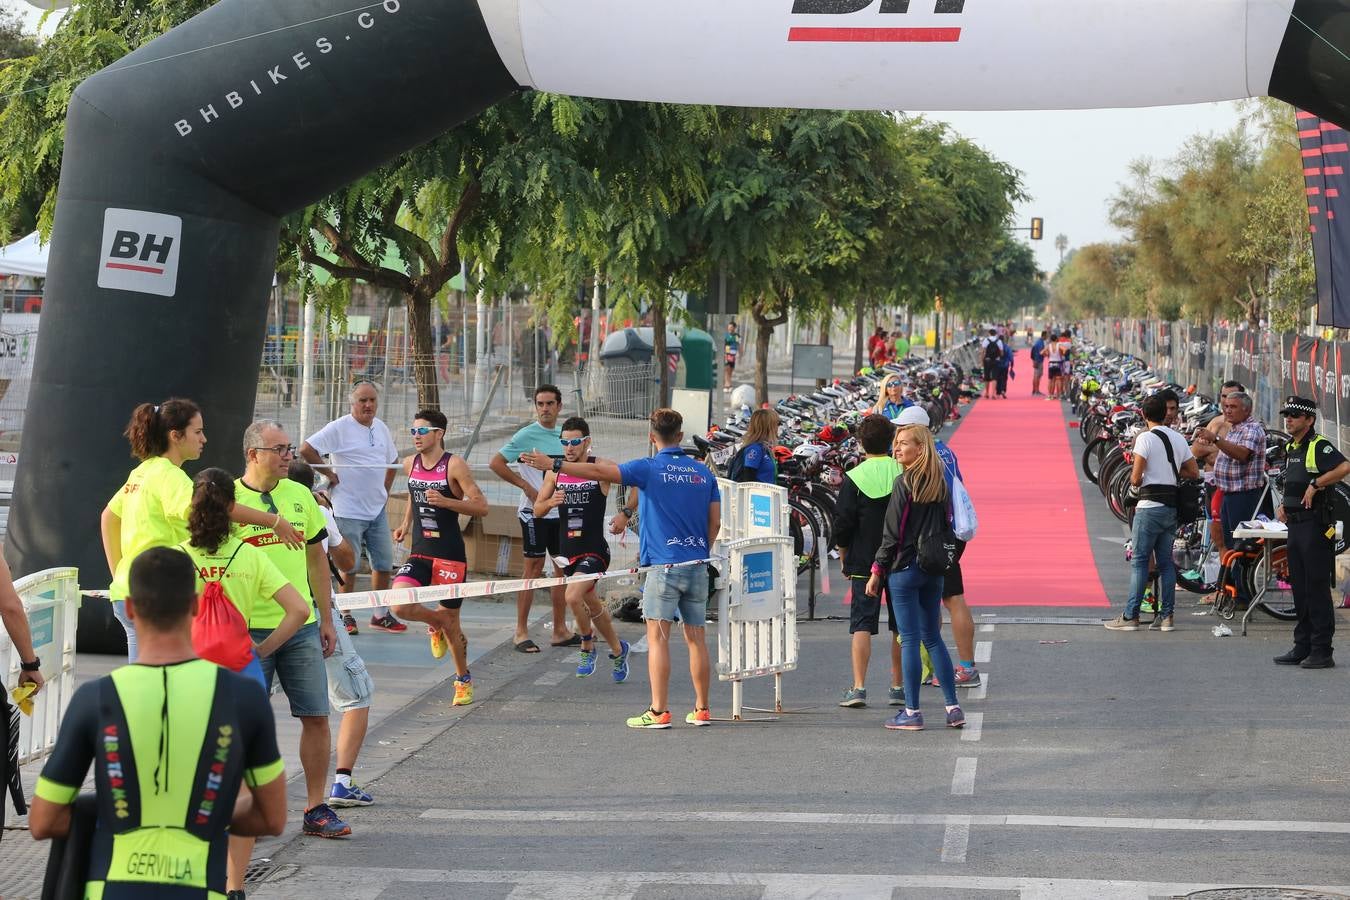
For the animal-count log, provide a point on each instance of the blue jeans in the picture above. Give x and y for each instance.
(1153, 533)
(916, 600)
(120, 612)
(299, 665)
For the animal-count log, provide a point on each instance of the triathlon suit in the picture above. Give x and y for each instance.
(435, 532)
(170, 746)
(583, 525)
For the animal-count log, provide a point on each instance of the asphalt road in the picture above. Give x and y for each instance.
(1094, 765)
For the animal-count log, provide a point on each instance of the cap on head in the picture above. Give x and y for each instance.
(1298, 406)
(912, 415)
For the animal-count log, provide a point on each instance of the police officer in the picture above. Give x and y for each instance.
(1312, 464)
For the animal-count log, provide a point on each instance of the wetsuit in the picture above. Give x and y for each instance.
(170, 746)
(435, 531)
(583, 524)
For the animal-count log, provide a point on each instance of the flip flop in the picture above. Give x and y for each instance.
(573, 641)
(527, 646)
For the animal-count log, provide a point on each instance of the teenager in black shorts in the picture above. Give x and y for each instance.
(582, 546)
(440, 489)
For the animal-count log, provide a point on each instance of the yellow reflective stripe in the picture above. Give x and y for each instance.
(265, 774)
(55, 792)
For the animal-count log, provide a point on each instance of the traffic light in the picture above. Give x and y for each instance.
(1037, 228)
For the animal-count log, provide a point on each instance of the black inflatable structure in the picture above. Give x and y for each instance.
(181, 158)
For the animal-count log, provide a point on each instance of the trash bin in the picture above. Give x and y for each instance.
(631, 380)
(700, 368)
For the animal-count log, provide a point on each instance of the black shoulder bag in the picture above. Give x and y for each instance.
(1189, 491)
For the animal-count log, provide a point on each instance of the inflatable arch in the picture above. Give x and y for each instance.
(181, 157)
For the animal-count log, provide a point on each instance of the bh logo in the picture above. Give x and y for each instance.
(140, 251)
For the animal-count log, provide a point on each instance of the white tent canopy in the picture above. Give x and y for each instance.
(25, 257)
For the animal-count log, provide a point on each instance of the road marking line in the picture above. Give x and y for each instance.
(963, 780)
(361, 882)
(974, 725)
(519, 706)
(551, 678)
(986, 628)
(979, 692)
(955, 841)
(534, 890)
(983, 650)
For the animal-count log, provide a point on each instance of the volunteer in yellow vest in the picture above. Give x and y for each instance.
(171, 738)
(1312, 464)
(151, 509)
(298, 663)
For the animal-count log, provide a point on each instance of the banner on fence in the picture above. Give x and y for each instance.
(1199, 347)
(1325, 156)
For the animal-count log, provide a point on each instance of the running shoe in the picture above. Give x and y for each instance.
(897, 697)
(699, 717)
(1120, 623)
(650, 719)
(621, 663)
(341, 795)
(903, 721)
(854, 698)
(321, 821)
(440, 644)
(586, 663)
(387, 622)
(955, 718)
(463, 691)
(967, 678)
(349, 623)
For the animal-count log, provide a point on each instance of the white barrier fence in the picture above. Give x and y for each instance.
(52, 600)
(757, 605)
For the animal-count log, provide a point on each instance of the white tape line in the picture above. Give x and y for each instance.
(983, 650)
(955, 841)
(963, 780)
(987, 628)
(434, 593)
(974, 725)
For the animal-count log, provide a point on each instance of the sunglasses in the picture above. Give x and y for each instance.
(282, 450)
(420, 430)
(572, 442)
(266, 497)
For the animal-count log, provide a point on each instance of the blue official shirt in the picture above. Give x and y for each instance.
(762, 463)
(676, 493)
(950, 466)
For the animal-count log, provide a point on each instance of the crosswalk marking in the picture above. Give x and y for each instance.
(963, 779)
(956, 840)
(983, 651)
(974, 725)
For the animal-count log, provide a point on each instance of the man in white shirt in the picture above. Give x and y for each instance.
(1154, 529)
(363, 454)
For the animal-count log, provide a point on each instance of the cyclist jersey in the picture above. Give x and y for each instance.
(170, 746)
(583, 516)
(435, 532)
(153, 506)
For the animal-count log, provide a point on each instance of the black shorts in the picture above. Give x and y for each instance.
(418, 569)
(864, 612)
(1054, 370)
(731, 363)
(952, 583)
(588, 564)
(540, 536)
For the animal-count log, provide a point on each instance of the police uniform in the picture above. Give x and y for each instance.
(1311, 550)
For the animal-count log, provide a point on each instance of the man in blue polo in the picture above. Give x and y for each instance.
(681, 511)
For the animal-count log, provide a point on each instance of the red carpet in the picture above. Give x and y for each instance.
(1033, 547)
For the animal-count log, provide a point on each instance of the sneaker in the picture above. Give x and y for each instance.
(897, 697)
(700, 717)
(955, 718)
(349, 623)
(621, 663)
(854, 698)
(650, 719)
(387, 622)
(341, 795)
(586, 663)
(440, 644)
(903, 721)
(321, 821)
(463, 691)
(1120, 623)
(1162, 623)
(967, 678)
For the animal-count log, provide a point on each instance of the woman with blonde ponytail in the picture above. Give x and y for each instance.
(919, 500)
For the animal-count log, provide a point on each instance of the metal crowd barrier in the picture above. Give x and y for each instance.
(52, 600)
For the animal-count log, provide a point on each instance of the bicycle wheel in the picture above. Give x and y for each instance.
(1279, 597)
(1115, 460)
(1115, 493)
(805, 537)
(1196, 558)
(1093, 455)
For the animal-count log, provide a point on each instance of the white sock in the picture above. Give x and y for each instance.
(344, 780)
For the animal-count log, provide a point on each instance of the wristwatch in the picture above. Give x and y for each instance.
(627, 512)
(33, 666)
(557, 465)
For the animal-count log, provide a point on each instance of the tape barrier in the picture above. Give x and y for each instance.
(469, 589)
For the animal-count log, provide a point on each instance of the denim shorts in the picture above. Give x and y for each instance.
(349, 684)
(372, 535)
(682, 588)
(298, 664)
